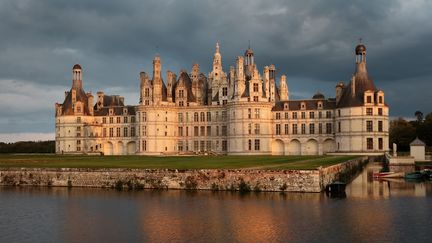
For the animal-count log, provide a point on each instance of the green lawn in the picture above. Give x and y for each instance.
(154, 162)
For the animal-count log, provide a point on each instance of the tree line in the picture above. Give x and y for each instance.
(28, 147)
(403, 132)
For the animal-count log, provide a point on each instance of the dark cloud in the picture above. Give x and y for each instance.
(311, 42)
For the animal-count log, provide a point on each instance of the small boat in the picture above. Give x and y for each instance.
(383, 174)
(394, 175)
(416, 175)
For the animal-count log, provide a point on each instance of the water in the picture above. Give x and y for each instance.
(374, 211)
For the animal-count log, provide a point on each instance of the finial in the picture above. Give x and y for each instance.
(217, 46)
(360, 40)
(249, 44)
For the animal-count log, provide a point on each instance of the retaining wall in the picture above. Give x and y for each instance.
(205, 179)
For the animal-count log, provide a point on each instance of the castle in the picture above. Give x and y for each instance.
(239, 112)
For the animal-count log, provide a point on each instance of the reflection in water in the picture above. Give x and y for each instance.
(391, 210)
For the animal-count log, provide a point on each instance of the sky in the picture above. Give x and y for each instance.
(312, 42)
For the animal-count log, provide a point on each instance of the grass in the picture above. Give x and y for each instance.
(155, 162)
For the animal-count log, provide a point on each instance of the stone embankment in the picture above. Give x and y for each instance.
(202, 179)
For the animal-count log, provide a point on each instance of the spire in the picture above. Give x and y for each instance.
(217, 47)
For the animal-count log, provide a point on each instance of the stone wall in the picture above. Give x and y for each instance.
(210, 179)
(341, 172)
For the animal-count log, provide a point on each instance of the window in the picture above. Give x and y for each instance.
(202, 130)
(78, 119)
(132, 132)
(380, 111)
(195, 116)
(257, 128)
(224, 115)
(209, 131)
(196, 130)
(144, 144)
(180, 145)
(181, 93)
(278, 116)
(217, 130)
(257, 113)
(328, 128)
(369, 126)
(180, 131)
(196, 147)
(118, 119)
(132, 119)
(180, 117)
(369, 99)
(224, 102)
(255, 87)
(250, 144)
(146, 92)
(104, 120)
(278, 129)
(187, 131)
(369, 143)
(294, 115)
(255, 98)
(202, 116)
(144, 116)
(380, 144)
(111, 132)
(181, 103)
(224, 91)
(144, 130)
(320, 128)
(78, 142)
(320, 114)
(118, 132)
(339, 113)
(249, 128)
(125, 131)
(339, 127)
(303, 115)
(286, 128)
(257, 144)
(104, 132)
(202, 146)
(286, 115)
(380, 126)
(208, 145)
(380, 99)
(311, 115)
(303, 128)
(208, 116)
(147, 102)
(311, 128)
(369, 111)
(224, 130)
(224, 145)
(125, 119)
(328, 114)
(294, 128)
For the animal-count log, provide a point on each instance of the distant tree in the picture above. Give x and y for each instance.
(419, 116)
(28, 147)
(402, 133)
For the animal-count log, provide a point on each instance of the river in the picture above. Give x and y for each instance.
(373, 211)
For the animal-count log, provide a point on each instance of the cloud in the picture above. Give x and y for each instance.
(311, 42)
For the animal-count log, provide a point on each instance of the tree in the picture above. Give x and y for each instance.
(419, 116)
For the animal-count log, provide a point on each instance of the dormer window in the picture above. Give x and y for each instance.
(320, 105)
(286, 107)
(303, 106)
(125, 111)
(181, 93)
(380, 99)
(369, 99)
(111, 112)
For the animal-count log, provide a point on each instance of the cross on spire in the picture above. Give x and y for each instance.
(360, 40)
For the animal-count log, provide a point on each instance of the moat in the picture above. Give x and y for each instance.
(395, 211)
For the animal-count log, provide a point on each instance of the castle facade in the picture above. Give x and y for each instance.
(238, 112)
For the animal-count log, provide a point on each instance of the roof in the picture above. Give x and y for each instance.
(360, 48)
(80, 96)
(76, 66)
(295, 105)
(117, 110)
(318, 96)
(417, 142)
(186, 81)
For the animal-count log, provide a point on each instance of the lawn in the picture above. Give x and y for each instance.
(173, 162)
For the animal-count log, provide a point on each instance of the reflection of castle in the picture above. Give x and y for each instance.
(240, 112)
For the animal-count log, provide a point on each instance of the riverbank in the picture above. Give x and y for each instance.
(243, 179)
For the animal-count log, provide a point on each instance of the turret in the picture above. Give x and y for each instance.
(76, 77)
